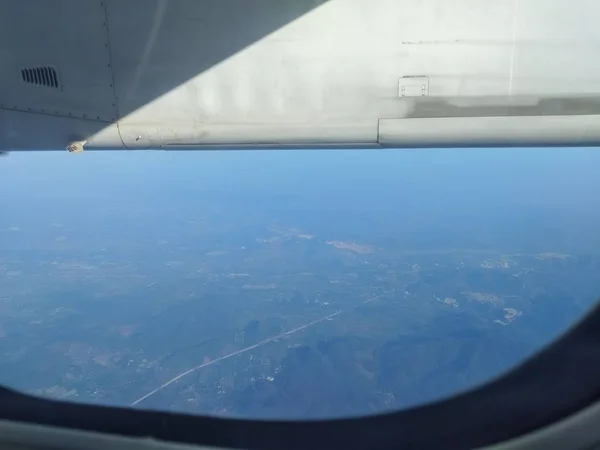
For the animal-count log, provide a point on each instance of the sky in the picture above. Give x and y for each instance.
(531, 172)
(520, 188)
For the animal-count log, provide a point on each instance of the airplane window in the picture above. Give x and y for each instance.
(293, 284)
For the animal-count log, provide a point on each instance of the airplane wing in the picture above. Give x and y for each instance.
(195, 74)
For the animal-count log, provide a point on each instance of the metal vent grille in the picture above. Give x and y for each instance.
(42, 76)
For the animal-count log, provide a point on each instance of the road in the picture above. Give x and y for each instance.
(244, 350)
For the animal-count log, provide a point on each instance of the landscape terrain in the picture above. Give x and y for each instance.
(145, 288)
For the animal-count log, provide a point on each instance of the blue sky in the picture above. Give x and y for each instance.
(567, 177)
(288, 167)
